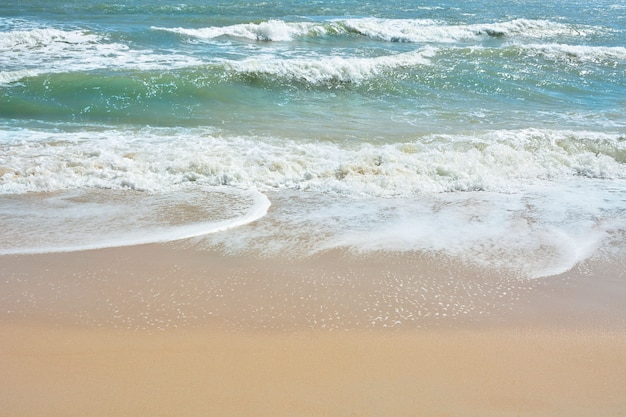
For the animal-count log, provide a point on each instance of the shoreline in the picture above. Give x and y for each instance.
(165, 330)
(158, 286)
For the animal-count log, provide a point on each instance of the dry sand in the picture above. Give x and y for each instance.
(161, 330)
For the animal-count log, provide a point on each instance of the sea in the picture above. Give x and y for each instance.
(488, 132)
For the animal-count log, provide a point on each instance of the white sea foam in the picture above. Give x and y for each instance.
(41, 38)
(27, 53)
(84, 220)
(540, 232)
(390, 30)
(579, 53)
(331, 69)
(404, 30)
(497, 161)
(8, 77)
(271, 30)
(155, 159)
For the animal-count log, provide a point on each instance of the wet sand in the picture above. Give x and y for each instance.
(168, 330)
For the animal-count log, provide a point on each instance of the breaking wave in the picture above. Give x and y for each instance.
(158, 159)
(390, 30)
(330, 69)
(28, 53)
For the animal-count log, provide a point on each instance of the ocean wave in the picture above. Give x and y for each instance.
(46, 38)
(330, 69)
(271, 30)
(389, 30)
(9, 77)
(578, 53)
(34, 51)
(157, 159)
(434, 31)
(27, 53)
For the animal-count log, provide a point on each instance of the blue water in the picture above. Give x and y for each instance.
(500, 125)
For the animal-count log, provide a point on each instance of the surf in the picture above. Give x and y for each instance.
(83, 219)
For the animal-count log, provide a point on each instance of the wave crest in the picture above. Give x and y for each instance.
(271, 30)
(28, 53)
(578, 53)
(157, 159)
(330, 69)
(389, 30)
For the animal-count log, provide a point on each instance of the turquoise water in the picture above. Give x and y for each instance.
(486, 130)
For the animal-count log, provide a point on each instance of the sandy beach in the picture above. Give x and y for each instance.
(164, 330)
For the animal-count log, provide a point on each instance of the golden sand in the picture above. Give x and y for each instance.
(204, 372)
(164, 331)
